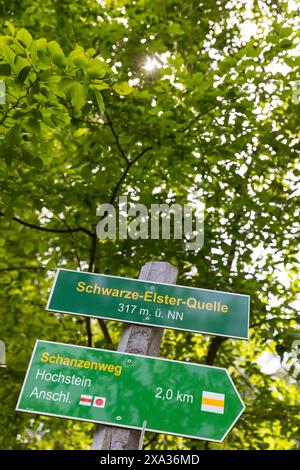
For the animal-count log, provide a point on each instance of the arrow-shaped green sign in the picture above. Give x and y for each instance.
(151, 303)
(125, 390)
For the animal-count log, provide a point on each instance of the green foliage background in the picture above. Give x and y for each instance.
(84, 122)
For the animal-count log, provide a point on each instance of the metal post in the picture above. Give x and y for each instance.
(141, 443)
(136, 339)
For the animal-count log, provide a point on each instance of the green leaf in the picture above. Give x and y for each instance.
(123, 88)
(175, 28)
(78, 95)
(6, 41)
(14, 135)
(46, 75)
(80, 61)
(38, 163)
(23, 74)
(28, 247)
(9, 212)
(66, 83)
(32, 125)
(100, 179)
(285, 44)
(20, 64)
(96, 71)
(59, 60)
(41, 44)
(91, 52)
(24, 37)
(11, 27)
(100, 101)
(32, 160)
(285, 32)
(79, 58)
(100, 86)
(44, 58)
(5, 70)
(8, 54)
(54, 48)
(86, 172)
(56, 54)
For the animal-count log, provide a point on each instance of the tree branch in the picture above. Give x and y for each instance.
(5, 115)
(18, 268)
(105, 331)
(182, 131)
(93, 252)
(202, 113)
(109, 122)
(153, 439)
(89, 331)
(102, 324)
(213, 349)
(73, 240)
(51, 230)
(141, 154)
(125, 172)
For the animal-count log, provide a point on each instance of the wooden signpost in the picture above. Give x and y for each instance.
(136, 339)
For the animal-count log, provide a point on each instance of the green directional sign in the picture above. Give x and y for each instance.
(150, 303)
(125, 390)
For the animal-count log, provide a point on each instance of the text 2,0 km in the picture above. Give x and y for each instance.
(175, 395)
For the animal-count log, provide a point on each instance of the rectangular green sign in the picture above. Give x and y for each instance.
(150, 303)
(123, 389)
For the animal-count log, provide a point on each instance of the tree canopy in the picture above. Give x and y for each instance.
(162, 101)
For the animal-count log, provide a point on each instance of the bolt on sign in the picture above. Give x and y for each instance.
(125, 390)
(151, 303)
